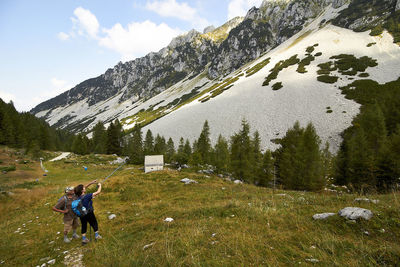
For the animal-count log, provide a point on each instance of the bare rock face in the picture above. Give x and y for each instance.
(354, 213)
(397, 5)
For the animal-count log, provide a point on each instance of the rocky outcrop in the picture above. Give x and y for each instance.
(264, 28)
(397, 5)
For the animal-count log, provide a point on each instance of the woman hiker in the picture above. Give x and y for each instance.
(87, 202)
(70, 219)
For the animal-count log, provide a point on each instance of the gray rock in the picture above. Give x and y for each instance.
(208, 29)
(112, 216)
(188, 181)
(51, 262)
(397, 5)
(354, 213)
(323, 216)
(238, 182)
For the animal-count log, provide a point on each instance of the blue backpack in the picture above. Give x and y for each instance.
(78, 208)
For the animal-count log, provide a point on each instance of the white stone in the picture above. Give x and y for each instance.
(188, 181)
(238, 182)
(312, 260)
(322, 216)
(112, 216)
(51, 262)
(168, 219)
(148, 246)
(354, 213)
(397, 5)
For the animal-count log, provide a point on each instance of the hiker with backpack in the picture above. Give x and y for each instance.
(83, 206)
(70, 219)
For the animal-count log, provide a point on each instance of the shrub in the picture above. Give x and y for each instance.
(327, 79)
(277, 86)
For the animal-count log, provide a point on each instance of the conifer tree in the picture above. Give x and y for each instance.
(135, 146)
(221, 155)
(256, 159)
(148, 143)
(114, 138)
(99, 138)
(203, 145)
(241, 153)
(298, 160)
(170, 153)
(160, 147)
(267, 169)
(181, 156)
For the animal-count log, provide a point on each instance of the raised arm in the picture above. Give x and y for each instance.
(98, 190)
(92, 182)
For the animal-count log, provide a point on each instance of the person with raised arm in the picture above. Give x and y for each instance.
(87, 202)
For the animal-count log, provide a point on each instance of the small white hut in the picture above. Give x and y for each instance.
(153, 163)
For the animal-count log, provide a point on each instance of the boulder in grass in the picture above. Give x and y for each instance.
(323, 216)
(354, 213)
(168, 219)
(51, 262)
(188, 181)
(112, 216)
(238, 182)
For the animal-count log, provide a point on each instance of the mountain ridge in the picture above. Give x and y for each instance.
(186, 81)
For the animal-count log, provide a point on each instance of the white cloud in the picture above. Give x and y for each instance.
(138, 38)
(85, 23)
(174, 9)
(240, 7)
(132, 41)
(171, 8)
(63, 36)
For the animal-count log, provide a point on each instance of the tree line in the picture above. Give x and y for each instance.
(25, 131)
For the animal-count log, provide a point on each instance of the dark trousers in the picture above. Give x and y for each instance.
(91, 219)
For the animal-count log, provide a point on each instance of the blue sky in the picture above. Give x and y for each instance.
(49, 46)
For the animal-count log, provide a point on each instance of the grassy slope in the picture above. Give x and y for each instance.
(252, 226)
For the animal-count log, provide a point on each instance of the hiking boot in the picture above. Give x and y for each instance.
(75, 236)
(97, 237)
(67, 240)
(85, 241)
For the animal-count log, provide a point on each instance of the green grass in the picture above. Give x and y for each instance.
(327, 79)
(7, 168)
(257, 67)
(346, 65)
(216, 223)
(280, 66)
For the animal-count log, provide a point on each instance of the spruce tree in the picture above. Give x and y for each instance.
(203, 146)
(160, 147)
(299, 161)
(267, 169)
(114, 138)
(170, 153)
(135, 146)
(99, 138)
(148, 143)
(181, 157)
(221, 155)
(256, 159)
(241, 153)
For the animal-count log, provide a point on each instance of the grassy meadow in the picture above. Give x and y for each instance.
(216, 222)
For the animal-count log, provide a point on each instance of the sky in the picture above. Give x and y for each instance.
(49, 46)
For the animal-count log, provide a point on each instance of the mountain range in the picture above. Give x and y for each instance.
(285, 61)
